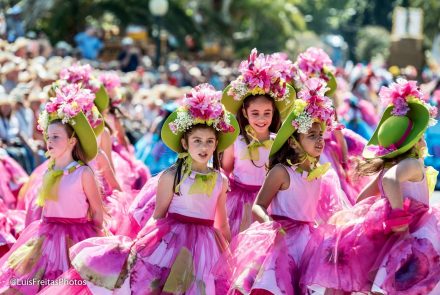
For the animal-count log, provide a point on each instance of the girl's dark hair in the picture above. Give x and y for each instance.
(179, 163)
(368, 167)
(78, 153)
(286, 153)
(243, 121)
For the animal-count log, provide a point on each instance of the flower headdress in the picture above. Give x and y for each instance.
(403, 122)
(313, 106)
(76, 94)
(112, 84)
(202, 105)
(314, 63)
(400, 94)
(81, 74)
(262, 74)
(68, 102)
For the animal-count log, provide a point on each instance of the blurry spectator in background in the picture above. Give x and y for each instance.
(14, 23)
(89, 44)
(130, 56)
(2, 25)
(62, 49)
(9, 73)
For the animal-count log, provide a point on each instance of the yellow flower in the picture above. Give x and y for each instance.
(299, 106)
(257, 90)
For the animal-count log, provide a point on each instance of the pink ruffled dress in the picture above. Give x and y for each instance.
(11, 225)
(245, 181)
(268, 257)
(12, 178)
(358, 252)
(42, 250)
(141, 209)
(350, 183)
(29, 193)
(176, 254)
(131, 173)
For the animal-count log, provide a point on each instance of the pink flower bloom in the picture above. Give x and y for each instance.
(76, 74)
(312, 63)
(400, 107)
(110, 80)
(268, 73)
(397, 94)
(318, 105)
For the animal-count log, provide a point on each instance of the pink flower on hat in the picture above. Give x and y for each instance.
(76, 74)
(312, 63)
(201, 106)
(262, 74)
(110, 80)
(398, 94)
(81, 74)
(203, 102)
(313, 105)
(112, 84)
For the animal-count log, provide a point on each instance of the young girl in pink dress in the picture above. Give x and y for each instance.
(388, 244)
(268, 256)
(101, 164)
(72, 209)
(175, 252)
(258, 110)
(341, 145)
(133, 174)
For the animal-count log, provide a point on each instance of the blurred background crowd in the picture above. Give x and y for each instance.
(160, 48)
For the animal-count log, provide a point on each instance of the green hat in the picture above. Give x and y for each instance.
(331, 83)
(201, 106)
(396, 135)
(102, 100)
(283, 106)
(303, 116)
(262, 75)
(83, 131)
(172, 140)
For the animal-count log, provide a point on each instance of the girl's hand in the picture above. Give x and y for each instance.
(399, 229)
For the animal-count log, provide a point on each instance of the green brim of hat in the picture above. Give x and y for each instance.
(418, 114)
(102, 100)
(331, 83)
(173, 140)
(234, 106)
(286, 130)
(100, 128)
(85, 134)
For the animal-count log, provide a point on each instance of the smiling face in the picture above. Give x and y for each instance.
(259, 114)
(200, 144)
(313, 141)
(58, 141)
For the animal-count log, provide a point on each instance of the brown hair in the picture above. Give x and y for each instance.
(179, 163)
(285, 154)
(368, 167)
(243, 121)
(78, 153)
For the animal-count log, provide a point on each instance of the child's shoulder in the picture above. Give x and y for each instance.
(410, 163)
(169, 173)
(279, 170)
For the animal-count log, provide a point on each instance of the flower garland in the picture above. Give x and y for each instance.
(313, 106)
(262, 74)
(202, 106)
